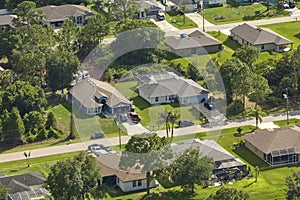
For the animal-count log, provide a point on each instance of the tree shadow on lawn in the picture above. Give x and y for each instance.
(140, 103)
(297, 35)
(231, 44)
(169, 195)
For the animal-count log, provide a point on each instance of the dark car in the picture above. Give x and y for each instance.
(184, 123)
(292, 4)
(98, 135)
(134, 117)
(209, 106)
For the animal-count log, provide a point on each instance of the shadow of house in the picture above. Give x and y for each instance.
(25, 186)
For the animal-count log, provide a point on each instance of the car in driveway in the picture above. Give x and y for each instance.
(209, 105)
(134, 117)
(185, 123)
(160, 16)
(97, 136)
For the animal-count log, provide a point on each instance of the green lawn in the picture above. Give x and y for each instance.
(41, 164)
(292, 121)
(228, 14)
(289, 30)
(180, 21)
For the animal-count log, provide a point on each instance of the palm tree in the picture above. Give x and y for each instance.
(182, 9)
(256, 170)
(258, 114)
(172, 118)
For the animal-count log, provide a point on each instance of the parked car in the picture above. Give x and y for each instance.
(286, 6)
(134, 117)
(292, 4)
(185, 123)
(97, 135)
(160, 16)
(209, 105)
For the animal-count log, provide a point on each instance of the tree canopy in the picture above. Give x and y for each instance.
(293, 184)
(75, 178)
(228, 194)
(190, 169)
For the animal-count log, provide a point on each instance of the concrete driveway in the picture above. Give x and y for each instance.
(133, 128)
(164, 25)
(198, 19)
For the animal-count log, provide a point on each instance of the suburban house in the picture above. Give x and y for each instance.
(213, 3)
(224, 161)
(148, 9)
(280, 146)
(6, 22)
(261, 38)
(56, 15)
(195, 43)
(127, 181)
(190, 5)
(25, 186)
(166, 87)
(94, 97)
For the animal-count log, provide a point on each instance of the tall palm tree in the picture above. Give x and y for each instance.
(173, 118)
(258, 114)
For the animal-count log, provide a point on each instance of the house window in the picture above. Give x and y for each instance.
(118, 181)
(193, 51)
(166, 98)
(133, 183)
(156, 99)
(79, 20)
(262, 47)
(139, 182)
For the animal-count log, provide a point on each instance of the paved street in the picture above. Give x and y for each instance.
(115, 141)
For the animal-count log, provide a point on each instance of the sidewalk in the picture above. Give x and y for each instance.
(115, 141)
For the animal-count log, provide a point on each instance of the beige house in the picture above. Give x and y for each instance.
(56, 15)
(166, 87)
(127, 181)
(261, 38)
(195, 43)
(280, 146)
(94, 97)
(6, 22)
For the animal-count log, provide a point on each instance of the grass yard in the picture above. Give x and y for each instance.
(41, 164)
(292, 121)
(228, 14)
(290, 30)
(179, 21)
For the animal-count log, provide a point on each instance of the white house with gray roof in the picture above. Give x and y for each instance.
(166, 87)
(56, 15)
(148, 8)
(261, 38)
(94, 97)
(222, 158)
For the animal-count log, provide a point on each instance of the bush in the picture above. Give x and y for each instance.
(235, 108)
(54, 133)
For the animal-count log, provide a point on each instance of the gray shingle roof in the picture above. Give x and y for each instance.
(7, 20)
(183, 2)
(211, 149)
(149, 4)
(86, 90)
(168, 83)
(256, 36)
(22, 182)
(63, 12)
(195, 39)
(276, 139)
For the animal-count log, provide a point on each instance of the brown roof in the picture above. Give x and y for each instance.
(268, 140)
(63, 12)
(256, 36)
(195, 39)
(88, 88)
(109, 164)
(7, 20)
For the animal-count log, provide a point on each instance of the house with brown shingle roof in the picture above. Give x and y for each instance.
(94, 97)
(195, 43)
(280, 146)
(130, 180)
(6, 22)
(262, 38)
(56, 15)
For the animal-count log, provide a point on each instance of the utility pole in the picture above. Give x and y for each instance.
(202, 6)
(286, 96)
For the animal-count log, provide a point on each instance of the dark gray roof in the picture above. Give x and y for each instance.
(63, 12)
(7, 20)
(210, 148)
(149, 4)
(183, 2)
(256, 36)
(195, 39)
(86, 90)
(268, 140)
(22, 182)
(168, 83)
